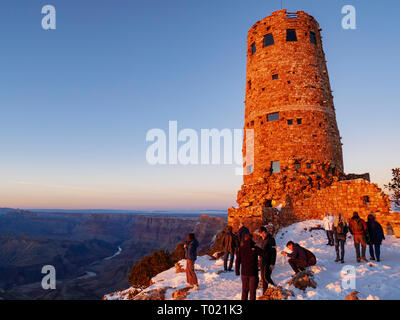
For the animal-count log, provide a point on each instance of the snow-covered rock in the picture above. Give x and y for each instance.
(373, 280)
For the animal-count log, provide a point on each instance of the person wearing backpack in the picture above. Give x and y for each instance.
(376, 236)
(340, 230)
(358, 228)
(229, 243)
(190, 247)
(300, 258)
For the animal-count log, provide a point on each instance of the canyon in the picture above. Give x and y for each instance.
(91, 252)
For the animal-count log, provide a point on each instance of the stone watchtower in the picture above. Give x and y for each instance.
(297, 145)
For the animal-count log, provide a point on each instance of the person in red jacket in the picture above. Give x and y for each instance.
(247, 266)
(358, 228)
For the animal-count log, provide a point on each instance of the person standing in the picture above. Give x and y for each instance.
(328, 226)
(247, 266)
(229, 243)
(340, 230)
(267, 261)
(190, 247)
(376, 236)
(358, 228)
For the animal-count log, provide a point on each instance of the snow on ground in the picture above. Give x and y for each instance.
(373, 280)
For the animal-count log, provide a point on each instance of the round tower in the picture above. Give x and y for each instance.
(289, 101)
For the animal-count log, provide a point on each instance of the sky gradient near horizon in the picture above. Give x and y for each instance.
(76, 102)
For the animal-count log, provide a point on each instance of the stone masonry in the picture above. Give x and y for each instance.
(297, 172)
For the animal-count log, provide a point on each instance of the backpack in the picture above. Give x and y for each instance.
(311, 259)
(358, 226)
(340, 229)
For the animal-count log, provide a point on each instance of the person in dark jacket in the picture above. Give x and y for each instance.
(358, 228)
(340, 230)
(230, 242)
(242, 231)
(191, 246)
(376, 236)
(247, 266)
(298, 257)
(267, 261)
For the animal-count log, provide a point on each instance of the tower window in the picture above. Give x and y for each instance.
(252, 123)
(308, 165)
(249, 84)
(268, 40)
(253, 48)
(313, 38)
(299, 121)
(290, 122)
(249, 169)
(298, 165)
(291, 35)
(366, 200)
(273, 116)
(275, 167)
(275, 76)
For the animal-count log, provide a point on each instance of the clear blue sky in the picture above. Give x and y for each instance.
(76, 102)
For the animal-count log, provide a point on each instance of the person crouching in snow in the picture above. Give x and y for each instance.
(328, 226)
(300, 258)
(376, 236)
(191, 246)
(340, 230)
(247, 265)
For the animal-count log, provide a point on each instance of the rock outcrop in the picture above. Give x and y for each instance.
(303, 280)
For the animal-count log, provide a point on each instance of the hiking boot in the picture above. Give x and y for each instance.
(342, 261)
(364, 259)
(337, 259)
(378, 260)
(372, 258)
(358, 260)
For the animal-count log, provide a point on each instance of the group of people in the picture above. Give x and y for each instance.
(370, 232)
(254, 257)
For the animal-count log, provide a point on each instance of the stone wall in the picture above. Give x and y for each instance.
(345, 197)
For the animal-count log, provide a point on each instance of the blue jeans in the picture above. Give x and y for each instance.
(377, 248)
(226, 254)
(339, 247)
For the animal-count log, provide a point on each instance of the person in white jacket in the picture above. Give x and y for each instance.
(328, 226)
